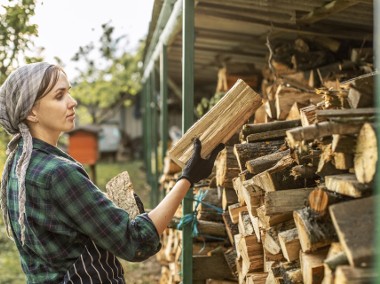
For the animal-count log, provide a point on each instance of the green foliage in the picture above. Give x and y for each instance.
(100, 87)
(16, 34)
(206, 104)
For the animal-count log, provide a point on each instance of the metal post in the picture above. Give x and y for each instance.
(187, 121)
(154, 151)
(144, 124)
(149, 134)
(164, 103)
(377, 104)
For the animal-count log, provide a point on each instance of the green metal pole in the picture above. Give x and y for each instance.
(164, 103)
(377, 104)
(149, 135)
(154, 153)
(187, 121)
(144, 124)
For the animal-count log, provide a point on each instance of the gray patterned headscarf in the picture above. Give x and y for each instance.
(17, 97)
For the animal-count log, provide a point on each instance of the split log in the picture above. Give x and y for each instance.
(230, 256)
(366, 154)
(229, 197)
(209, 213)
(250, 151)
(270, 236)
(268, 221)
(314, 231)
(300, 134)
(251, 252)
(244, 225)
(294, 112)
(290, 244)
(361, 92)
(343, 143)
(284, 201)
(347, 184)
(209, 228)
(326, 166)
(354, 222)
(321, 198)
(219, 124)
(170, 167)
(263, 163)
(249, 129)
(306, 156)
(120, 190)
(231, 228)
(234, 211)
(252, 196)
(312, 266)
(360, 275)
(335, 257)
(307, 171)
(343, 161)
(227, 167)
(257, 278)
(308, 114)
(278, 177)
(328, 114)
(266, 136)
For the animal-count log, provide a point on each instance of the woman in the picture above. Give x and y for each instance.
(66, 230)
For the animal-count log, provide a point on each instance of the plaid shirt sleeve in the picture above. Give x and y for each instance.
(88, 210)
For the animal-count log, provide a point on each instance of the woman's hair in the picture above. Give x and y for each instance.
(49, 80)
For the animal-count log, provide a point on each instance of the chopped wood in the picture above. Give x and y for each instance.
(343, 161)
(120, 190)
(238, 186)
(170, 167)
(294, 112)
(354, 222)
(263, 163)
(359, 275)
(318, 201)
(252, 254)
(210, 213)
(234, 210)
(326, 166)
(361, 92)
(307, 171)
(284, 201)
(230, 256)
(345, 113)
(343, 143)
(249, 151)
(366, 154)
(257, 278)
(314, 231)
(265, 136)
(245, 225)
(268, 221)
(229, 197)
(231, 228)
(270, 236)
(347, 184)
(248, 129)
(308, 114)
(312, 266)
(252, 196)
(290, 244)
(227, 167)
(300, 134)
(278, 177)
(219, 124)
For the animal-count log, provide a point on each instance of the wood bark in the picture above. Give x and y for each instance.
(231, 228)
(250, 151)
(249, 129)
(301, 134)
(238, 104)
(314, 232)
(347, 184)
(354, 222)
(263, 163)
(227, 167)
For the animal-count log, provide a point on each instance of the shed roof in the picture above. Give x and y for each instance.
(237, 31)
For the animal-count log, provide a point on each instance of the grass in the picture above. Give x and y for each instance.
(10, 269)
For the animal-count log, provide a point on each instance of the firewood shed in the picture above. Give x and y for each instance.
(301, 172)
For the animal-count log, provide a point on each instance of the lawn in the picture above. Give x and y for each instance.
(10, 270)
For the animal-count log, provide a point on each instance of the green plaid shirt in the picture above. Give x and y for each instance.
(64, 209)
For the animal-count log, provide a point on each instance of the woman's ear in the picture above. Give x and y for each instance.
(32, 117)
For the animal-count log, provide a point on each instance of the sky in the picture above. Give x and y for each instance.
(65, 25)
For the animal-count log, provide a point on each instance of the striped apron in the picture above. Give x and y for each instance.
(94, 266)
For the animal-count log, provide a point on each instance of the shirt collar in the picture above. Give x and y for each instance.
(49, 149)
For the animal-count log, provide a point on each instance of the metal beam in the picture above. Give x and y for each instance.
(187, 122)
(164, 103)
(172, 27)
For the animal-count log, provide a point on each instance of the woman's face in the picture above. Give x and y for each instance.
(55, 112)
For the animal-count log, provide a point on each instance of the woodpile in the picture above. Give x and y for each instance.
(296, 191)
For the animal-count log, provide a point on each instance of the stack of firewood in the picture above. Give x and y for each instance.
(305, 210)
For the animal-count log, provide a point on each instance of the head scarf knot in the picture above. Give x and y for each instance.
(17, 97)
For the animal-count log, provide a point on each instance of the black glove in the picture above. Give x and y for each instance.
(139, 203)
(198, 168)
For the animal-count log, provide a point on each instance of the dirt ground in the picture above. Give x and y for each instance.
(146, 272)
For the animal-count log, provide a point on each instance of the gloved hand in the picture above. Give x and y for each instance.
(139, 203)
(198, 168)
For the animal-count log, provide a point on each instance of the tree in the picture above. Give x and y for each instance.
(16, 34)
(109, 80)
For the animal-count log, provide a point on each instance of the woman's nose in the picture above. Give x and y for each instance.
(72, 102)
